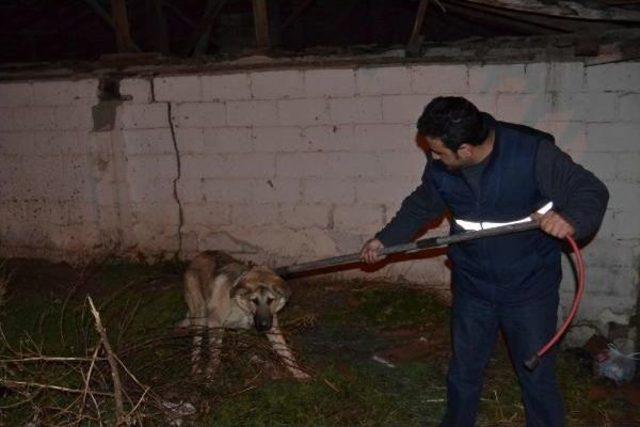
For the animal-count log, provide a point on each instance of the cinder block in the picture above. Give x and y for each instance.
(600, 163)
(189, 140)
(591, 107)
(524, 108)
(143, 116)
(328, 190)
(277, 139)
(439, 79)
(627, 222)
(276, 190)
(607, 252)
(245, 165)
(303, 112)
(383, 81)
(7, 119)
(149, 167)
(177, 89)
(198, 114)
(630, 106)
(147, 190)
(403, 109)
(139, 90)
(334, 164)
(43, 179)
(280, 84)
(19, 143)
(385, 191)
(73, 118)
(624, 76)
(37, 118)
(569, 136)
(612, 281)
(228, 140)
(405, 164)
(304, 216)
(330, 83)
(149, 141)
(54, 92)
(194, 166)
(385, 137)
(356, 110)
(627, 167)
(254, 214)
(487, 102)
(358, 218)
(86, 91)
(10, 170)
(328, 138)
(252, 113)
(614, 137)
(560, 77)
(497, 78)
(225, 190)
(206, 214)
(16, 94)
(225, 87)
(625, 197)
(189, 190)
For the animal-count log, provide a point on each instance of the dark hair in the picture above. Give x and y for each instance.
(454, 120)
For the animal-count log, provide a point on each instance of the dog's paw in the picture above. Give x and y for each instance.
(301, 375)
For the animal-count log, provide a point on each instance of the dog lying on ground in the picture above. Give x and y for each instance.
(223, 293)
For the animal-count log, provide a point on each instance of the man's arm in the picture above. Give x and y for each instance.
(578, 196)
(424, 204)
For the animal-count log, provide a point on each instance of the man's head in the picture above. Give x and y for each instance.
(454, 130)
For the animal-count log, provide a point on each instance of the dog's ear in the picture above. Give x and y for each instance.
(237, 291)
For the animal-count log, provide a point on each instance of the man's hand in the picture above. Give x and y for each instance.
(552, 223)
(371, 251)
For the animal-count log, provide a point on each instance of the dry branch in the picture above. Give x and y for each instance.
(115, 376)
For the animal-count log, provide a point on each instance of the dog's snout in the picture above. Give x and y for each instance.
(262, 324)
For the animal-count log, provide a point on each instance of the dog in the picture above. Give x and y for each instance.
(224, 293)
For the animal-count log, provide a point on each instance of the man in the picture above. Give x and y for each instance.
(482, 170)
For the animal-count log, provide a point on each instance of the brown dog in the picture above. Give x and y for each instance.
(222, 292)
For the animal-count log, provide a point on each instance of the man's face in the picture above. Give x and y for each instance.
(452, 160)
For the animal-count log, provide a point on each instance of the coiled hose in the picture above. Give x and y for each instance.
(534, 360)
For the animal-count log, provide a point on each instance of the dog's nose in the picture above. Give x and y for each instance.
(262, 325)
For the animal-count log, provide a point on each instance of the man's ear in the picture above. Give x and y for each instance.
(465, 151)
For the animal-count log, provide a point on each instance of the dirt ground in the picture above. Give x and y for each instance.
(377, 353)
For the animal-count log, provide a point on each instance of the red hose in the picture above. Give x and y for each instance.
(534, 360)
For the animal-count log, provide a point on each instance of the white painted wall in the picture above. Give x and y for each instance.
(292, 165)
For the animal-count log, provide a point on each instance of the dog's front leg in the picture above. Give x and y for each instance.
(216, 334)
(282, 349)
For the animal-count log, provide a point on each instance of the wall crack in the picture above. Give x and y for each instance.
(176, 197)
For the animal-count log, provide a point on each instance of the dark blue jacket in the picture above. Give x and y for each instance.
(519, 267)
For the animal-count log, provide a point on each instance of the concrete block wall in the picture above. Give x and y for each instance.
(290, 165)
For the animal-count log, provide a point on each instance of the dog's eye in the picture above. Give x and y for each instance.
(255, 301)
(270, 300)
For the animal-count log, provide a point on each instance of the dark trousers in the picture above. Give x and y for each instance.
(475, 327)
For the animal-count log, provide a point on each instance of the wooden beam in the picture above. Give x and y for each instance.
(261, 23)
(121, 22)
(212, 10)
(296, 14)
(566, 9)
(500, 19)
(155, 9)
(99, 10)
(415, 41)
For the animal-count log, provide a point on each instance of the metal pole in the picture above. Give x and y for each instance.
(419, 245)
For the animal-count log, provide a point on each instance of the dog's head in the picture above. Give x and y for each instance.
(261, 293)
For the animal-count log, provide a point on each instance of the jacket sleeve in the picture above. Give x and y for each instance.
(423, 205)
(577, 194)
